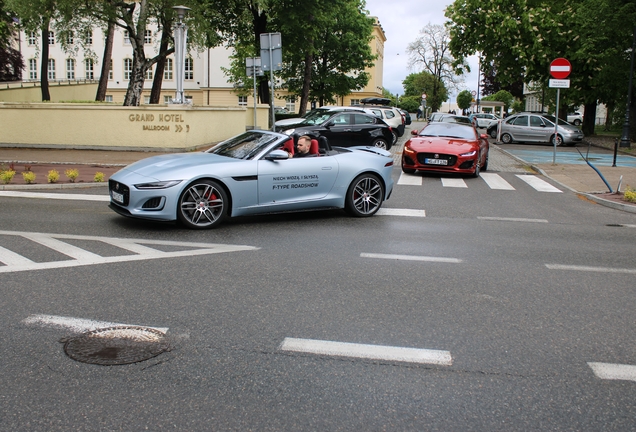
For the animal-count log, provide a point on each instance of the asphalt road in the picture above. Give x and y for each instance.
(523, 289)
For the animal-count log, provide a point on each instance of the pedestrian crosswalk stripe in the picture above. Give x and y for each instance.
(410, 180)
(454, 182)
(495, 181)
(613, 371)
(538, 184)
(590, 268)
(77, 325)
(53, 195)
(411, 258)
(401, 212)
(366, 351)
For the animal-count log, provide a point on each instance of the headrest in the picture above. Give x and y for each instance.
(313, 149)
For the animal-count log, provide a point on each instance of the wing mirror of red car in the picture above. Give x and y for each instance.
(414, 132)
(484, 136)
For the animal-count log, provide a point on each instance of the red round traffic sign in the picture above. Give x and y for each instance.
(560, 68)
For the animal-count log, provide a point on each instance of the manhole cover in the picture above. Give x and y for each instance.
(116, 345)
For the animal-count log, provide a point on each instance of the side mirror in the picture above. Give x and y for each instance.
(328, 125)
(484, 136)
(277, 155)
(414, 132)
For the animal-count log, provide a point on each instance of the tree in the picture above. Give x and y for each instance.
(464, 98)
(431, 53)
(416, 84)
(502, 96)
(11, 63)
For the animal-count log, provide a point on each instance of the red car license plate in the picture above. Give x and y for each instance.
(436, 161)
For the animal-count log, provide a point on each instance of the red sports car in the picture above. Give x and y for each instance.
(446, 147)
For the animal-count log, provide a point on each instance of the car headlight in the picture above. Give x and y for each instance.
(472, 153)
(158, 185)
(289, 131)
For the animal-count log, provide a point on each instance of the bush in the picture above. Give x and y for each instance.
(29, 177)
(99, 177)
(53, 176)
(630, 195)
(6, 176)
(72, 174)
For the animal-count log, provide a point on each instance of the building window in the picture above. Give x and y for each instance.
(242, 100)
(290, 104)
(126, 37)
(51, 69)
(148, 37)
(110, 69)
(32, 38)
(88, 37)
(127, 69)
(88, 65)
(33, 69)
(167, 99)
(189, 69)
(70, 69)
(147, 100)
(355, 101)
(167, 70)
(51, 38)
(149, 73)
(69, 39)
(108, 98)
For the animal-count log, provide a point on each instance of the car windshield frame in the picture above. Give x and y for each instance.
(245, 146)
(449, 130)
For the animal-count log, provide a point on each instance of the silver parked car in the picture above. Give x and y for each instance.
(531, 128)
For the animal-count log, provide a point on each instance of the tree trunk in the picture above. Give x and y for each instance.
(589, 118)
(136, 83)
(157, 81)
(304, 97)
(44, 67)
(106, 61)
(609, 114)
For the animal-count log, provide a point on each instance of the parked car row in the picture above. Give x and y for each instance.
(532, 127)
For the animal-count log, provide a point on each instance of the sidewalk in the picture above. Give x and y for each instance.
(579, 178)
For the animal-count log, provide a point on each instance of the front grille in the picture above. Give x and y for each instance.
(152, 203)
(119, 188)
(421, 159)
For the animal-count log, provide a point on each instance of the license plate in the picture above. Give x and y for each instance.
(436, 161)
(117, 197)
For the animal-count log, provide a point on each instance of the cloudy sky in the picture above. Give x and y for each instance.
(402, 21)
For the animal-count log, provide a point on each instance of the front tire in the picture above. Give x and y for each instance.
(493, 133)
(364, 196)
(203, 204)
(559, 140)
(577, 122)
(395, 136)
(407, 170)
(506, 138)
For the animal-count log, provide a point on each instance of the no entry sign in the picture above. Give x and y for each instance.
(560, 68)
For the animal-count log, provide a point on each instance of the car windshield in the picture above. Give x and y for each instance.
(449, 130)
(561, 121)
(244, 146)
(316, 117)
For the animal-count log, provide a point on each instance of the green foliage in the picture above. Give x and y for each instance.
(6, 176)
(630, 195)
(416, 84)
(53, 176)
(501, 96)
(72, 174)
(464, 98)
(409, 103)
(99, 177)
(29, 177)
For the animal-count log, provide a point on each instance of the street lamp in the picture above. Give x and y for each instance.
(180, 36)
(625, 136)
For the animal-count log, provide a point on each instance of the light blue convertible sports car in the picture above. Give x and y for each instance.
(249, 174)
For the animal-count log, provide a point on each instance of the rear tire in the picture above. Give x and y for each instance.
(395, 136)
(493, 133)
(381, 143)
(364, 196)
(577, 122)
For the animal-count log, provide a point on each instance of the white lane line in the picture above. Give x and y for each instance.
(538, 184)
(376, 352)
(613, 371)
(495, 181)
(512, 219)
(590, 269)
(11, 258)
(63, 248)
(409, 180)
(77, 325)
(454, 182)
(401, 212)
(58, 196)
(411, 258)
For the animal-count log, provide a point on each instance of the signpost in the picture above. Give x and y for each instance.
(271, 60)
(560, 69)
(253, 68)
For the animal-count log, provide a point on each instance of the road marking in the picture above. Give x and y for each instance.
(401, 212)
(141, 248)
(613, 371)
(58, 196)
(375, 352)
(538, 184)
(590, 269)
(410, 180)
(411, 258)
(454, 182)
(77, 325)
(512, 219)
(495, 181)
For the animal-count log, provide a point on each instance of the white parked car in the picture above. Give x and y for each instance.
(575, 118)
(484, 120)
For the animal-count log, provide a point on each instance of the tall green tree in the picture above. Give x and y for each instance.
(416, 84)
(11, 63)
(464, 98)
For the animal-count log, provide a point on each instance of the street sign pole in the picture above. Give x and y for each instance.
(560, 69)
(556, 123)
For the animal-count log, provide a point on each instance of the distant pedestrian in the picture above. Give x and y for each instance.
(420, 110)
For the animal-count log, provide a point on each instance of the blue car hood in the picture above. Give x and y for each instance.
(157, 166)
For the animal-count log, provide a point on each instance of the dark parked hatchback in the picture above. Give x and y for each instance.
(345, 129)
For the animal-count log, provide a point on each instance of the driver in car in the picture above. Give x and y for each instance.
(303, 146)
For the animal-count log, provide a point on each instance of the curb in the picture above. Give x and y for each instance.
(53, 186)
